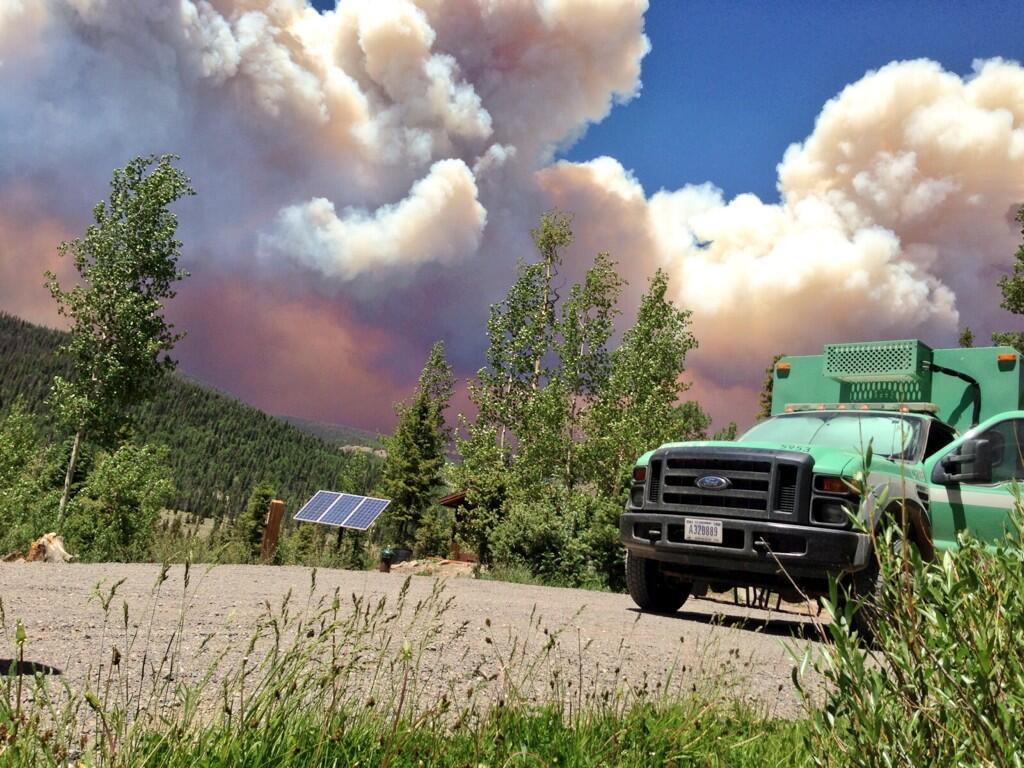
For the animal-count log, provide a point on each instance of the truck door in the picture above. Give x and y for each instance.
(979, 507)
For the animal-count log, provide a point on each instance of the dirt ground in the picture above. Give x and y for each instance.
(743, 652)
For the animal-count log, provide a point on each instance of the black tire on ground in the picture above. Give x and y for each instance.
(867, 589)
(649, 587)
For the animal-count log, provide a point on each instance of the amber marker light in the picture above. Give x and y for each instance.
(1006, 357)
(834, 485)
(783, 367)
(639, 474)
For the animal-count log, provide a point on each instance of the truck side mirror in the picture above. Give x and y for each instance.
(971, 462)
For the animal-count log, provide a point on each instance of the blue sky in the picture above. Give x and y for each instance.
(728, 86)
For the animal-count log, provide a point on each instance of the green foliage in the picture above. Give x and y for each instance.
(1013, 339)
(483, 474)
(966, 340)
(1012, 288)
(767, 389)
(416, 451)
(726, 433)
(119, 341)
(219, 447)
(639, 408)
(127, 263)
(26, 497)
(253, 522)
(562, 416)
(113, 516)
(19, 443)
(434, 533)
(336, 434)
(565, 537)
(943, 683)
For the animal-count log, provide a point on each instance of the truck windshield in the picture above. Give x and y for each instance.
(892, 436)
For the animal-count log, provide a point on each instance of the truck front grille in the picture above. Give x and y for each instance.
(747, 494)
(785, 495)
(761, 484)
(654, 485)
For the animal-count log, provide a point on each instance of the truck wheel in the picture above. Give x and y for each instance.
(649, 588)
(868, 590)
(865, 591)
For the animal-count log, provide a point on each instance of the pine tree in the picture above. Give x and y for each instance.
(966, 339)
(416, 451)
(253, 522)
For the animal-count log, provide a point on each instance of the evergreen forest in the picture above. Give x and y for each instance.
(218, 448)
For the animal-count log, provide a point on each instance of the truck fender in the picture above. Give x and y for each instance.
(897, 505)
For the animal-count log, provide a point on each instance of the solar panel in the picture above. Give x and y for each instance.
(340, 510)
(316, 506)
(366, 513)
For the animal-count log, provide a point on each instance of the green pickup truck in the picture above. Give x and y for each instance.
(773, 509)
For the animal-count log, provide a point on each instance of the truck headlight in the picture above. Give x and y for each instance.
(636, 496)
(831, 512)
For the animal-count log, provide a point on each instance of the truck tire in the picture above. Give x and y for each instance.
(649, 588)
(868, 590)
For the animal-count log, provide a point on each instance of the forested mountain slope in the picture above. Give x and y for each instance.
(335, 434)
(219, 447)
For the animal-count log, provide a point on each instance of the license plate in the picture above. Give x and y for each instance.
(709, 531)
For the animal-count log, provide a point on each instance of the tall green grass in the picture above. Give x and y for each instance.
(332, 680)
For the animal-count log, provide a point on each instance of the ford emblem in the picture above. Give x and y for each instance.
(713, 483)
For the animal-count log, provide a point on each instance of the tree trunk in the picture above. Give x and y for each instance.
(67, 479)
(544, 316)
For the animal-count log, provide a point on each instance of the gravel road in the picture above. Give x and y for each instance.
(602, 640)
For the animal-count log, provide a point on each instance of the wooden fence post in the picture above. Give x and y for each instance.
(271, 531)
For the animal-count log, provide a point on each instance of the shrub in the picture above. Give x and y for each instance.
(943, 680)
(562, 538)
(434, 534)
(113, 516)
(252, 523)
(28, 495)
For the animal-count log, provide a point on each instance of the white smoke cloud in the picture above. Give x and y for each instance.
(439, 221)
(317, 111)
(414, 137)
(894, 221)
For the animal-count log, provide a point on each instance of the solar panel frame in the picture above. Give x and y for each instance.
(366, 513)
(342, 510)
(315, 508)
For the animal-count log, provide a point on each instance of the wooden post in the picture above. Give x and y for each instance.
(271, 531)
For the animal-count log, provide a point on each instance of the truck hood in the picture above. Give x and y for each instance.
(832, 461)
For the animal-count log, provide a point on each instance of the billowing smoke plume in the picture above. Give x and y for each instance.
(370, 175)
(441, 220)
(896, 217)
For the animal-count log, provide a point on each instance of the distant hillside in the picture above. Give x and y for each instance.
(336, 434)
(219, 447)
